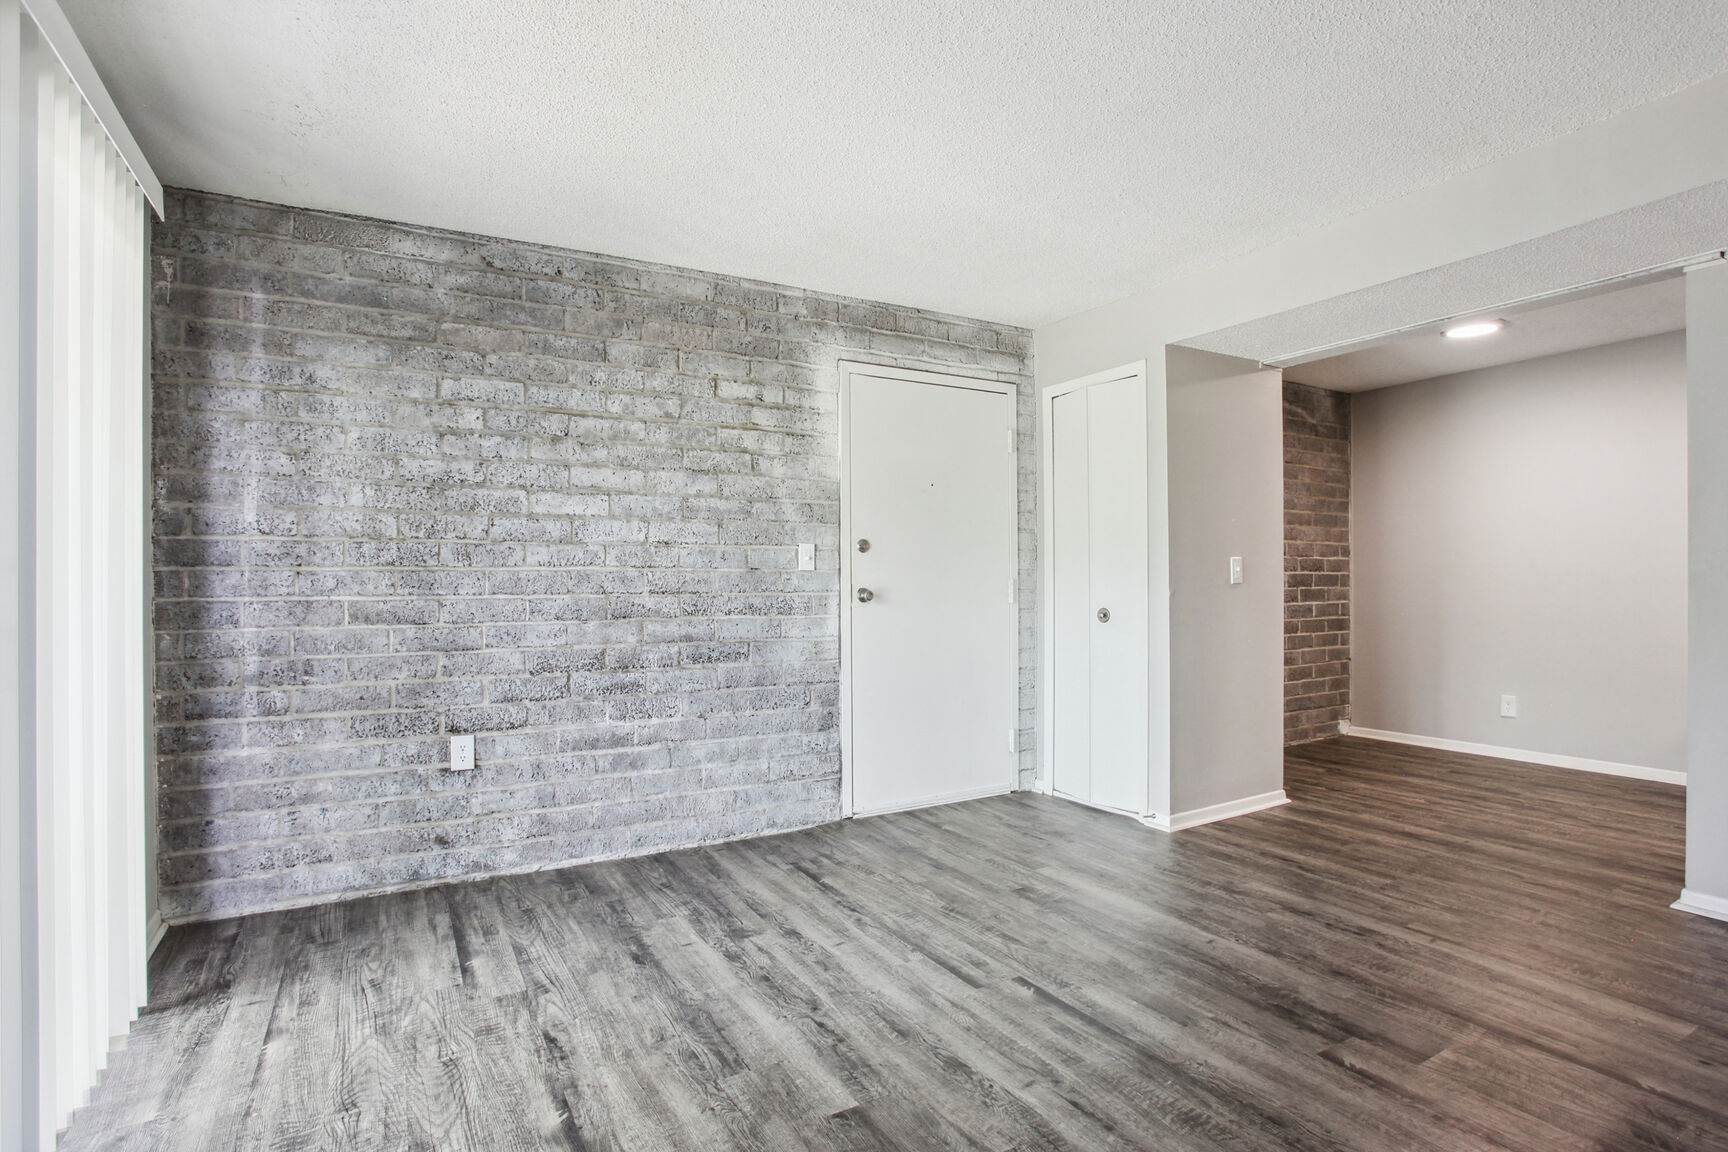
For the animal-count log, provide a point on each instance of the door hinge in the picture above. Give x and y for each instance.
(1013, 740)
(1010, 589)
(1010, 432)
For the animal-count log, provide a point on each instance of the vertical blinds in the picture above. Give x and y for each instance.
(74, 723)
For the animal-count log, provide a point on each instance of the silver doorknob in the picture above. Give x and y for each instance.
(863, 545)
(865, 595)
(1103, 615)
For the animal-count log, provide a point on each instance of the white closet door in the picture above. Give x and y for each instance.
(1116, 478)
(932, 662)
(1099, 595)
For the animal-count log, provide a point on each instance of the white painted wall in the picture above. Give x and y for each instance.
(1522, 530)
(1707, 430)
(1226, 419)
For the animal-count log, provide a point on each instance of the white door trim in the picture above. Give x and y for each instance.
(1047, 569)
(850, 369)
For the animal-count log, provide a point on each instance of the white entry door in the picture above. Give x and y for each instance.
(929, 644)
(1098, 602)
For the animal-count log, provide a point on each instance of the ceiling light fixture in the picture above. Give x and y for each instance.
(1473, 330)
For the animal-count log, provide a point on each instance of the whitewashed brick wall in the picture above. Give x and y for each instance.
(411, 483)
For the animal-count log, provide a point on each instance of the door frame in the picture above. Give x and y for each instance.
(849, 370)
(1134, 370)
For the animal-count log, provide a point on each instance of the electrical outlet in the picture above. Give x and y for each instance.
(1509, 707)
(461, 753)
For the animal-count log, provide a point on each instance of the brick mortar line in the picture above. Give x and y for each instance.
(170, 314)
(438, 769)
(506, 432)
(694, 371)
(460, 785)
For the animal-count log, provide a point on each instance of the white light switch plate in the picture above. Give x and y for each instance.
(806, 557)
(1235, 569)
(461, 753)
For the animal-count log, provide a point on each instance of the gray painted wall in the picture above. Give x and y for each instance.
(1522, 530)
(1226, 641)
(410, 483)
(1707, 756)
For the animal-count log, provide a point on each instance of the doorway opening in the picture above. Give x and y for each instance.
(1486, 536)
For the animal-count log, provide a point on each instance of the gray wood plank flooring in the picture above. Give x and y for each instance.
(1425, 951)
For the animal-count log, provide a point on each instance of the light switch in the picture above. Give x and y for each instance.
(1235, 569)
(461, 753)
(806, 557)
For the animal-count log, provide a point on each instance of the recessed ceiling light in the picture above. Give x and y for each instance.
(1478, 328)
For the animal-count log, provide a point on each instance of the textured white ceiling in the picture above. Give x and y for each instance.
(1583, 321)
(1018, 160)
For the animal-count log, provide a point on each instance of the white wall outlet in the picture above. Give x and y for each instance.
(1235, 569)
(461, 753)
(806, 557)
(1509, 707)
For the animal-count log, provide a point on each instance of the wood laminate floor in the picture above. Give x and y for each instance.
(1423, 951)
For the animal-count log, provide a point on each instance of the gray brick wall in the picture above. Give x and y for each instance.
(412, 483)
(1316, 562)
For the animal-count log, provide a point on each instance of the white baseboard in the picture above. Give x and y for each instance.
(1549, 759)
(1195, 817)
(1715, 907)
(155, 930)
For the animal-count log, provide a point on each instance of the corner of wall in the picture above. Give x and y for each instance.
(1226, 500)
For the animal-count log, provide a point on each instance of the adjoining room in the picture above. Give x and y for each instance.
(1507, 478)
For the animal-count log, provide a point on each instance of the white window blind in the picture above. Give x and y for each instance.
(74, 577)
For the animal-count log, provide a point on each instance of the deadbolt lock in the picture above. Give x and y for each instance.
(863, 545)
(1103, 615)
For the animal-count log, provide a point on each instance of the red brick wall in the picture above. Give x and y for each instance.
(1316, 562)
